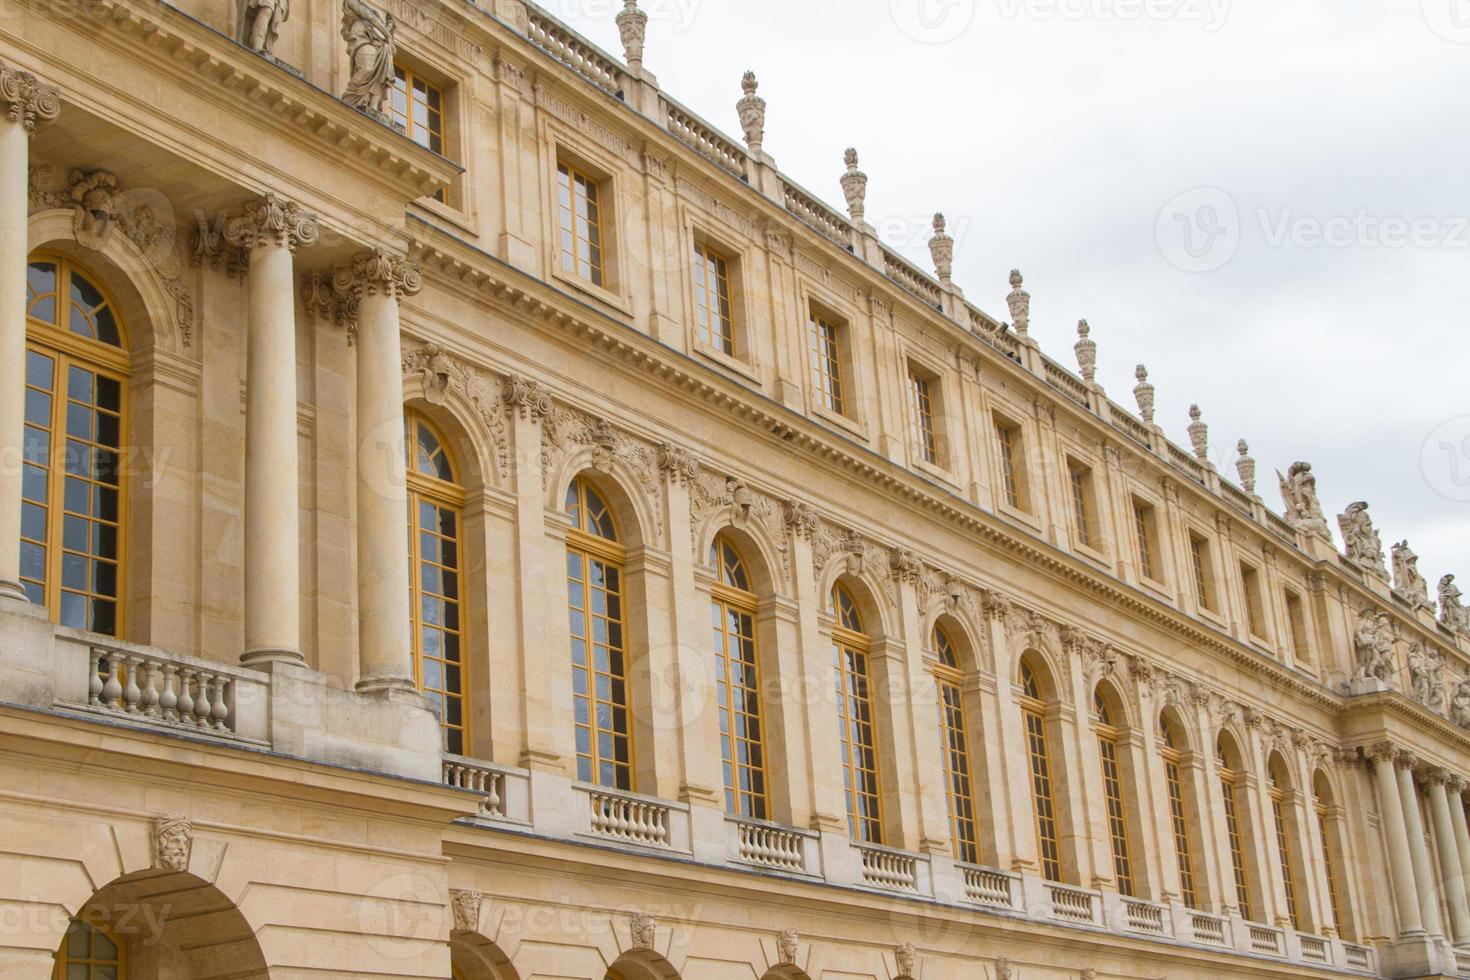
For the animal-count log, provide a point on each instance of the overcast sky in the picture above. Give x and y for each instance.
(1265, 201)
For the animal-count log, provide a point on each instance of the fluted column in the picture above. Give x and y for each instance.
(1400, 865)
(1448, 853)
(372, 286)
(270, 230)
(1418, 852)
(26, 103)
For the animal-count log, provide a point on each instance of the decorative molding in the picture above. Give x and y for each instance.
(568, 429)
(272, 222)
(709, 492)
(526, 398)
(678, 465)
(442, 374)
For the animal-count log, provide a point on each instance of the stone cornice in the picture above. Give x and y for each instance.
(248, 85)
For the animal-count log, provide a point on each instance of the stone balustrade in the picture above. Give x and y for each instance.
(768, 845)
(629, 818)
(991, 888)
(890, 869)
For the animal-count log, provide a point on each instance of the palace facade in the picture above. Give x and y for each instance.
(462, 515)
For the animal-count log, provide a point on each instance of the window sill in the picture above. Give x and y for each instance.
(1089, 552)
(936, 471)
(1155, 586)
(728, 362)
(1212, 617)
(1025, 517)
(448, 212)
(599, 293)
(838, 419)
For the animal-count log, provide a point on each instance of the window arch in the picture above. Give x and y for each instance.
(1112, 774)
(1230, 767)
(1171, 748)
(850, 649)
(1332, 852)
(1038, 752)
(1278, 788)
(73, 493)
(954, 745)
(595, 560)
(436, 579)
(737, 683)
(88, 953)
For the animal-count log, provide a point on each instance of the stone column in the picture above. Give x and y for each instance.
(1400, 865)
(1455, 788)
(1418, 853)
(372, 286)
(270, 230)
(1449, 856)
(26, 102)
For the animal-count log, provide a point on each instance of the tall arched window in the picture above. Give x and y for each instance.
(1331, 852)
(1277, 791)
(1228, 762)
(436, 579)
(89, 954)
(855, 717)
(72, 533)
(1033, 714)
(1169, 748)
(1107, 747)
(954, 744)
(737, 683)
(599, 649)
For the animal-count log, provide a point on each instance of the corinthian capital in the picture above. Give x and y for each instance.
(27, 99)
(271, 221)
(377, 273)
(1385, 752)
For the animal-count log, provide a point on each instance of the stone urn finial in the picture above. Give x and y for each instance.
(1199, 435)
(1144, 392)
(1019, 302)
(941, 248)
(633, 29)
(854, 187)
(1246, 467)
(752, 109)
(1086, 349)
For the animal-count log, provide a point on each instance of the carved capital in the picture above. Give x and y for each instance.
(27, 99)
(677, 464)
(905, 566)
(1380, 752)
(377, 273)
(800, 519)
(1435, 776)
(272, 222)
(525, 398)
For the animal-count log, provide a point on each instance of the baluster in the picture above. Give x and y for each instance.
(94, 678)
(168, 701)
(186, 695)
(493, 794)
(112, 690)
(150, 688)
(202, 706)
(132, 693)
(221, 712)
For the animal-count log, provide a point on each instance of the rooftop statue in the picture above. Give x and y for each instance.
(369, 36)
(1364, 546)
(1299, 492)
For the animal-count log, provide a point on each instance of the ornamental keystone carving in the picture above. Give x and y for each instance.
(565, 430)
(854, 187)
(1363, 546)
(1373, 644)
(442, 374)
(173, 843)
(1299, 493)
(632, 31)
(1086, 350)
(644, 930)
(1005, 969)
(1143, 393)
(752, 110)
(1452, 614)
(1408, 584)
(1246, 467)
(677, 464)
(91, 196)
(466, 906)
(272, 222)
(27, 99)
(1019, 303)
(941, 249)
(1199, 435)
(369, 34)
(788, 944)
(261, 22)
(710, 491)
(906, 956)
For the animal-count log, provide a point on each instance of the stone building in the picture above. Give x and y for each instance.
(764, 610)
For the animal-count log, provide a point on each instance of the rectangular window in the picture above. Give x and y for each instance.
(1145, 529)
(826, 355)
(1080, 479)
(1237, 847)
(1255, 613)
(1204, 572)
(1288, 878)
(859, 746)
(1329, 863)
(418, 106)
(1012, 474)
(953, 734)
(921, 417)
(1296, 613)
(599, 681)
(1179, 824)
(1107, 744)
(579, 199)
(714, 311)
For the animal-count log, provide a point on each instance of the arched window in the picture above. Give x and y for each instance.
(737, 683)
(72, 532)
(1033, 714)
(850, 646)
(1277, 790)
(599, 649)
(1107, 746)
(954, 744)
(1169, 748)
(436, 579)
(89, 954)
(1228, 763)
(1331, 851)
